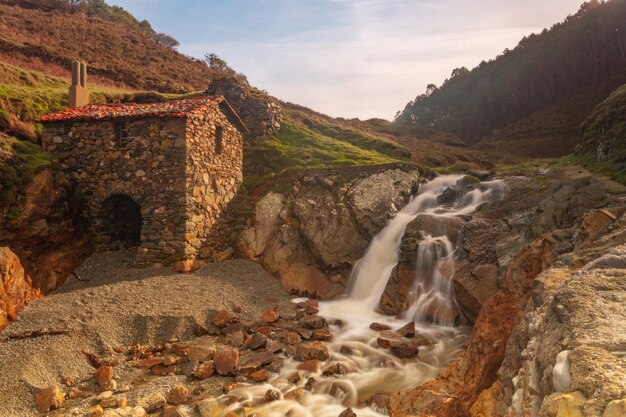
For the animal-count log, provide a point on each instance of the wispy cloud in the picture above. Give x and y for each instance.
(352, 58)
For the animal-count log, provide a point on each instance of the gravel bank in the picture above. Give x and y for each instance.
(114, 306)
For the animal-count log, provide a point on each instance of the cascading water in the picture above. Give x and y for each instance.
(373, 370)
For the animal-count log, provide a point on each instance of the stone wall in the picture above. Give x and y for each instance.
(213, 176)
(168, 166)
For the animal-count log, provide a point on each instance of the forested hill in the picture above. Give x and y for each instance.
(585, 54)
(46, 35)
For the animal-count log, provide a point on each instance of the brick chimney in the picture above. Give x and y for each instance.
(79, 96)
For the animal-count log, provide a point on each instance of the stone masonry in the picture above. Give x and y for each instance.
(179, 162)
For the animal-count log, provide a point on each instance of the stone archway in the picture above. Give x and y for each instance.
(120, 219)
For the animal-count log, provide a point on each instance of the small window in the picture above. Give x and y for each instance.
(219, 139)
(121, 133)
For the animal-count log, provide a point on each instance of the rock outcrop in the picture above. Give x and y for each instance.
(15, 287)
(310, 236)
(260, 112)
(567, 353)
(509, 318)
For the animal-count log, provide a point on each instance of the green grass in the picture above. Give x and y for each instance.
(296, 146)
(19, 161)
(30, 94)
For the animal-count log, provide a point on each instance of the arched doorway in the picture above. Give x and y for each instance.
(120, 219)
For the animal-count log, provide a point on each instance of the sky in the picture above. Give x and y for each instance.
(349, 58)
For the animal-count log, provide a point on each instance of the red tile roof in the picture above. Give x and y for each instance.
(176, 108)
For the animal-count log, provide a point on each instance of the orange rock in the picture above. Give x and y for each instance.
(178, 395)
(224, 318)
(311, 365)
(104, 376)
(260, 376)
(49, 399)
(227, 362)
(270, 315)
(15, 287)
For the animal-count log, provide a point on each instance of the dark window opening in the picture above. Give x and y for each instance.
(121, 133)
(121, 220)
(219, 139)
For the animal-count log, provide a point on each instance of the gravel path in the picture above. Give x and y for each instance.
(116, 307)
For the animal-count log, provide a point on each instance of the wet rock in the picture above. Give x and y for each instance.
(321, 334)
(380, 402)
(312, 350)
(347, 413)
(379, 327)
(227, 362)
(313, 322)
(272, 395)
(48, 399)
(383, 343)
(152, 402)
(311, 365)
(295, 394)
(177, 395)
(408, 350)
(260, 376)
(337, 368)
(408, 330)
(305, 333)
(270, 315)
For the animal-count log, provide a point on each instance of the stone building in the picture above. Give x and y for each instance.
(156, 175)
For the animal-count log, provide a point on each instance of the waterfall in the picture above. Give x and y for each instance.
(435, 258)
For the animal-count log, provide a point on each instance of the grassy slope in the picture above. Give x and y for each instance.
(117, 52)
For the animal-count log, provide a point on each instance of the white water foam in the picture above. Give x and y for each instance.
(374, 370)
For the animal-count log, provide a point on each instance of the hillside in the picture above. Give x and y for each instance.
(46, 35)
(603, 147)
(583, 55)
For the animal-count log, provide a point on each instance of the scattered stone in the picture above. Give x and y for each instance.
(309, 309)
(380, 402)
(172, 412)
(311, 365)
(273, 346)
(313, 322)
(180, 349)
(379, 327)
(322, 334)
(163, 370)
(227, 362)
(104, 376)
(272, 395)
(169, 360)
(95, 411)
(224, 318)
(49, 399)
(74, 394)
(148, 363)
(109, 403)
(312, 350)
(408, 330)
(260, 376)
(152, 402)
(305, 333)
(289, 338)
(126, 412)
(177, 395)
(208, 408)
(616, 408)
(258, 340)
(125, 388)
(201, 353)
(347, 413)
(203, 370)
(270, 315)
(104, 395)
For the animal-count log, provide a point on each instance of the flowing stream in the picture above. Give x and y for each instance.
(373, 372)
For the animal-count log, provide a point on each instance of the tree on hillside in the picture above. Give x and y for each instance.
(583, 52)
(166, 40)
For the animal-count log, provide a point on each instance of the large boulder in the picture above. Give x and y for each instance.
(15, 287)
(311, 236)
